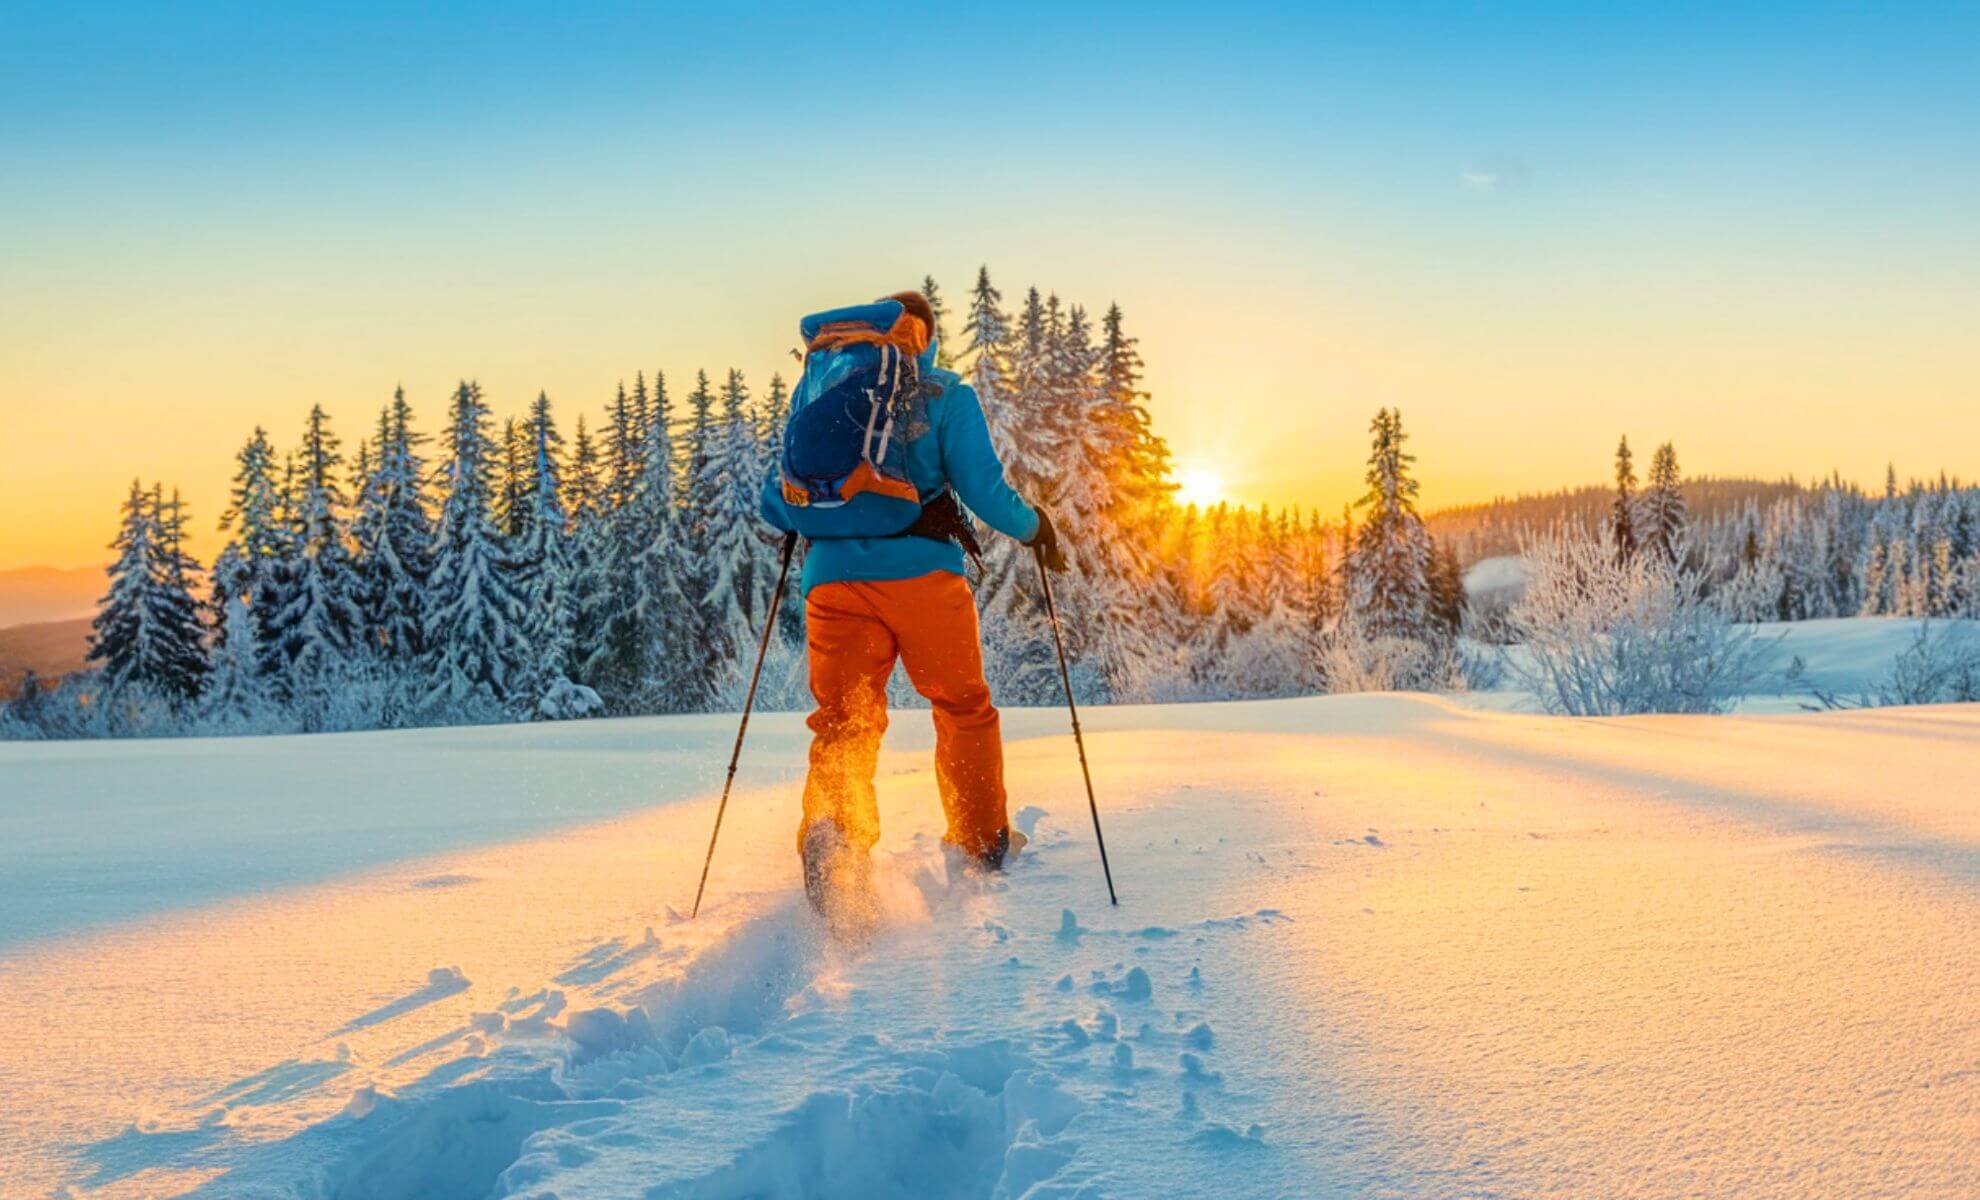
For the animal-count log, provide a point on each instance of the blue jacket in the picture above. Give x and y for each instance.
(950, 448)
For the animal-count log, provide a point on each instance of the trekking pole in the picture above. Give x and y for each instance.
(749, 702)
(1059, 641)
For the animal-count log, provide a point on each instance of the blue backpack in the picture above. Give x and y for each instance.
(844, 470)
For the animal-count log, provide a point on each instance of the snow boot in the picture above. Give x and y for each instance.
(838, 883)
(962, 864)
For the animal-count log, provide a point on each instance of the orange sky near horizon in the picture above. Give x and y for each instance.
(1273, 398)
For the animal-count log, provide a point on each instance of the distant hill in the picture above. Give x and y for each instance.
(1482, 531)
(50, 649)
(48, 593)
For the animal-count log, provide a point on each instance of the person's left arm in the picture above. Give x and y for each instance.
(770, 504)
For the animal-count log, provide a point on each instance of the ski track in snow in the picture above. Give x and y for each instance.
(1368, 946)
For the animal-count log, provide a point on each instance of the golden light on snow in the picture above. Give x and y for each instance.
(1202, 486)
(1649, 956)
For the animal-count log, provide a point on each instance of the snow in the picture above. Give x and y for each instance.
(1380, 945)
(1503, 573)
(1844, 656)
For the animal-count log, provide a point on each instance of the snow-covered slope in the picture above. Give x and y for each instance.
(1368, 946)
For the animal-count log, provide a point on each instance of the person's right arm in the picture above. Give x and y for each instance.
(974, 469)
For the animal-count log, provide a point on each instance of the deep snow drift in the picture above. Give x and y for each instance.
(1372, 945)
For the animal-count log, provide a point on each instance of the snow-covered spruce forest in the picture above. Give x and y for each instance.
(523, 568)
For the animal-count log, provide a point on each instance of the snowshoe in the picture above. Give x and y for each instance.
(838, 883)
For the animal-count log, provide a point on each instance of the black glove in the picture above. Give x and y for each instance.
(1046, 542)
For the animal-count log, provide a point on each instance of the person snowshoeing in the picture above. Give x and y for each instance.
(882, 454)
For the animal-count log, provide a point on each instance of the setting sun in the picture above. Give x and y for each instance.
(1201, 486)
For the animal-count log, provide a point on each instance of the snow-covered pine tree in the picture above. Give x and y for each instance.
(260, 543)
(1801, 542)
(545, 575)
(1137, 620)
(1071, 403)
(776, 408)
(771, 415)
(1881, 531)
(1390, 562)
(582, 486)
(590, 529)
(145, 637)
(1845, 515)
(1233, 601)
(989, 351)
(1273, 555)
(314, 632)
(944, 357)
(700, 446)
(1908, 571)
(1446, 587)
(1141, 475)
(287, 567)
(1027, 425)
(512, 482)
(736, 588)
(668, 663)
(176, 616)
(394, 535)
(1143, 492)
(987, 345)
(642, 421)
(1024, 425)
(610, 625)
(1932, 535)
(475, 648)
(1622, 514)
(236, 695)
(362, 466)
(1314, 574)
(1053, 400)
(622, 461)
(1274, 655)
(1104, 599)
(696, 510)
(1344, 585)
(123, 644)
(1662, 522)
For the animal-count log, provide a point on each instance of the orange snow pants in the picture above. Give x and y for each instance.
(854, 631)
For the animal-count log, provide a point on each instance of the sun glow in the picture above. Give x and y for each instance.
(1201, 486)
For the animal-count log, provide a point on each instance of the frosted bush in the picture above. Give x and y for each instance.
(1941, 665)
(1753, 593)
(1355, 659)
(1599, 636)
(1274, 658)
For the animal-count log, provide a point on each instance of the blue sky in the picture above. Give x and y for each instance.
(1744, 227)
